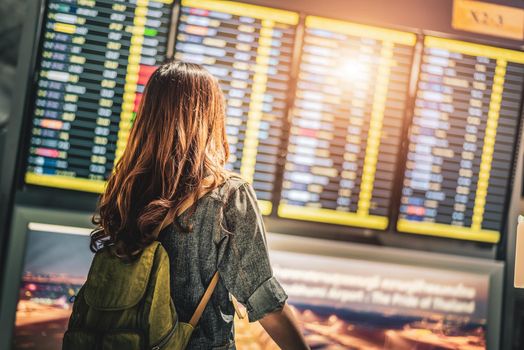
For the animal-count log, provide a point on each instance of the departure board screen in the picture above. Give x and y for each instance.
(340, 122)
(249, 49)
(346, 124)
(96, 56)
(462, 140)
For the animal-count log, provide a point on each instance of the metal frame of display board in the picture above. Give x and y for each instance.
(11, 180)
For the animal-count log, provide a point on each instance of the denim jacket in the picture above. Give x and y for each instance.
(228, 235)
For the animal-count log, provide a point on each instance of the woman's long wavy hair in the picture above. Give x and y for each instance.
(176, 152)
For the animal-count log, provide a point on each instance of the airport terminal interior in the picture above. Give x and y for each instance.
(383, 140)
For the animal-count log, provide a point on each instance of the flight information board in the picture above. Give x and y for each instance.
(462, 140)
(249, 49)
(95, 58)
(344, 132)
(346, 123)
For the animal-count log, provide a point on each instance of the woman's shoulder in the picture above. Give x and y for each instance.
(235, 181)
(231, 185)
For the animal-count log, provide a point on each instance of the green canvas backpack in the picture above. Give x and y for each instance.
(128, 305)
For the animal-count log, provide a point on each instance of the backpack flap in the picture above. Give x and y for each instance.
(113, 284)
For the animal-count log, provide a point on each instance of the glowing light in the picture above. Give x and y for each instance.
(353, 70)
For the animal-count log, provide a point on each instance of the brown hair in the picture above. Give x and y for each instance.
(176, 151)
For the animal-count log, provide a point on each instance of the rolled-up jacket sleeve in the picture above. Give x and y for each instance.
(244, 267)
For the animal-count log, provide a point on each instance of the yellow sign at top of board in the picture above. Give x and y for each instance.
(241, 9)
(475, 49)
(491, 19)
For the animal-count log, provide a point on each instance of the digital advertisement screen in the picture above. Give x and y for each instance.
(462, 139)
(364, 305)
(339, 303)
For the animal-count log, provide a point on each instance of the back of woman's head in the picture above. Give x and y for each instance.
(177, 140)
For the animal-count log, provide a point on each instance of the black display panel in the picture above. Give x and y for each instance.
(249, 49)
(346, 124)
(95, 58)
(462, 140)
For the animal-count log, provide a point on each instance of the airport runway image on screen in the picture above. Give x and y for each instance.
(354, 304)
(55, 268)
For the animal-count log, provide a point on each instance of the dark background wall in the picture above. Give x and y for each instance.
(11, 13)
(11, 25)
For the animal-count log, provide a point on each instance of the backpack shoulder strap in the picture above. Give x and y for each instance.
(204, 301)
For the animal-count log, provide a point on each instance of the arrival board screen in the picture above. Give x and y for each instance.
(461, 141)
(249, 49)
(346, 124)
(96, 57)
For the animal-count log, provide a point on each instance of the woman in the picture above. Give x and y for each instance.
(175, 158)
